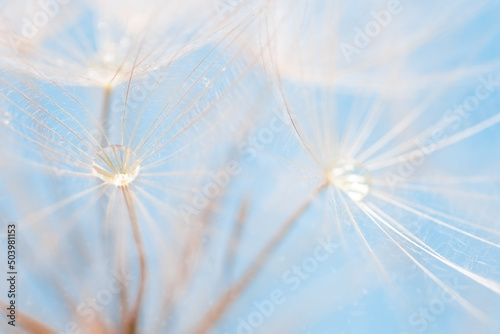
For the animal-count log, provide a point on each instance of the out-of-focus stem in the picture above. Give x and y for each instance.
(105, 113)
(132, 321)
(215, 313)
(236, 238)
(31, 325)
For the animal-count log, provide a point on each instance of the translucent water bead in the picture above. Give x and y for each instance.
(351, 177)
(5, 117)
(117, 165)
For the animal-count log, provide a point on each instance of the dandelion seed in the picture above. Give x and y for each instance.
(98, 43)
(117, 165)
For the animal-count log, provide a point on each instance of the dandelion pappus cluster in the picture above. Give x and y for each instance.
(174, 166)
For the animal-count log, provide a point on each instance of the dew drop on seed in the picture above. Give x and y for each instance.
(351, 177)
(117, 165)
(207, 82)
(5, 118)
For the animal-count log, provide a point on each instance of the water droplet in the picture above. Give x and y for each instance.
(351, 177)
(117, 165)
(207, 82)
(5, 118)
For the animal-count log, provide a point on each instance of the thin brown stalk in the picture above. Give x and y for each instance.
(190, 252)
(30, 324)
(105, 114)
(236, 236)
(132, 320)
(215, 313)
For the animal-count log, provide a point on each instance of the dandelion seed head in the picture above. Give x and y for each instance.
(117, 165)
(351, 177)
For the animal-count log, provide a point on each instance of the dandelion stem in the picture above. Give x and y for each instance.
(105, 113)
(30, 324)
(132, 322)
(216, 312)
(236, 238)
